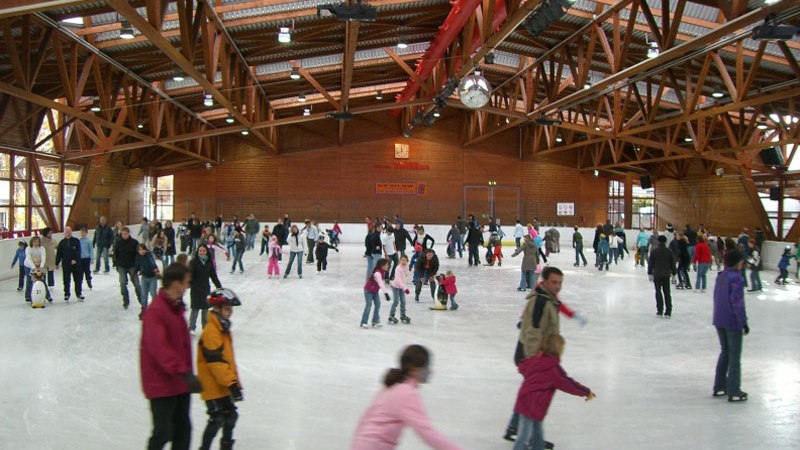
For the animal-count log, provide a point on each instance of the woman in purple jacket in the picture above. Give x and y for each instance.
(730, 319)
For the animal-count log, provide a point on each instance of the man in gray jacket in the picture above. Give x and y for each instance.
(660, 267)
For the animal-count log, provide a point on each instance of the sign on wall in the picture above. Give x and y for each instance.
(565, 209)
(401, 188)
(401, 151)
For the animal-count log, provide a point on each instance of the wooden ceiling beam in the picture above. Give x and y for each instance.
(12, 8)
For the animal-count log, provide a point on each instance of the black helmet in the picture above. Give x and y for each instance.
(223, 297)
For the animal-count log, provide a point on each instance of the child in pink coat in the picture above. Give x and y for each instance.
(399, 405)
(543, 376)
(399, 290)
(273, 268)
(449, 284)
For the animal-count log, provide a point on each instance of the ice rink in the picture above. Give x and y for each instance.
(70, 372)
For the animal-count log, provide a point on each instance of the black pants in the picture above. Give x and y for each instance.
(264, 247)
(171, 422)
(311, 243)
(75, 272)
(473, 257)
(683, 275)
(86, 268)
(22, 276)
(221, 414)
(663, 295)
(425, 276)
(322, 264)
(394, 260)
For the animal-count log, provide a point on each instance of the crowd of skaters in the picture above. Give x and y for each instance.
(538, 348)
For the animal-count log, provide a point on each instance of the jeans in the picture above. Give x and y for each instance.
(237, 258)
(474, 258)
(171, 422)
(221, 414)
(702, 270)
(149, 286)
(728, 377)
(691, 252)
(372, 260)
(579, 254)
(613, 254)
(250, 241)
(100, 253)
(642, 255)
(399, 296)
(22, 274)
(530, 434)
(525, 279)
(394, 259)
(453, 304)
(168, 259)
(195, 244)
(311, 243)
(75, 273)
(264, 247)
(517, 241)
(322, 264)
(124, 274)
(663, 295)
(193, 318)
(292, 256)
(683, 275)
(460, 245)
(755, 280)
(371, 299)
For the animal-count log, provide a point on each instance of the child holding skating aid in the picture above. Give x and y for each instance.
(449, 284)
(19, 257)
(543, 376)
(321, 252)
(273, 267)
(399, 291)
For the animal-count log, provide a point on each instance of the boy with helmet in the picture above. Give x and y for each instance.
(216, 369)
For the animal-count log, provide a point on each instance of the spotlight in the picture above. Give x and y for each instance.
(720, 171)
(178, 77)
(717, 94)
(95, 108)
(208, 100)
(489, 58)
(762, 126)
(295, 75)
(596, 173)
(775, 32)
(140, 126)
(770, 2)
(597, 128)
(688, 139)
(407, 133)
(653, 50)
(127, 31)
(437, 114)
(307, 111)
(301, 98)
(587, 85)
(229, 119)
(559, 139)
(284, 36)
(379, 96)
(245, 132)
(508, 120)
(401, 43)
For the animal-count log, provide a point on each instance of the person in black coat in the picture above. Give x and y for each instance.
(660, 267)
(125, 262)
(102, 241)
(321, 252)
(401, 236)
(202, 270)
(474, 241)
(425, 270)
(69, 252)
(279, 231)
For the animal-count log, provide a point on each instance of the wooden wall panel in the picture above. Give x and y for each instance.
(119, 194)
(722, 204)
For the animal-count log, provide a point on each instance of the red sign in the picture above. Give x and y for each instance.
(401, 188)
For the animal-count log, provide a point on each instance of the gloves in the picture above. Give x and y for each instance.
(236, 393)
(408, 292)
(193, 382)
(746, 330)
(581, 319)
(385, 295)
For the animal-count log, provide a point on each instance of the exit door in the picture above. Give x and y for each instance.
(501, 202)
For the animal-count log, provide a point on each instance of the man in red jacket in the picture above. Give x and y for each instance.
(166, 362)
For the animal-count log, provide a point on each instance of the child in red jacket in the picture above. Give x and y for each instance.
(543, 375)
(449, 284)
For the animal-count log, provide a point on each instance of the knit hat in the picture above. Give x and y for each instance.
(662, 239)
(732, 258)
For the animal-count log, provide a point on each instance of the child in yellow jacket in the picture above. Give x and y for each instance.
(216, 369)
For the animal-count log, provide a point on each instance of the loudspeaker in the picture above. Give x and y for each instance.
(645, 181)
(775, 193)
(771, 156)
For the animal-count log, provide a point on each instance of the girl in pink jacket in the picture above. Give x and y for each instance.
(449, 284)
(399, 291)
(399, 405)
(273, 267)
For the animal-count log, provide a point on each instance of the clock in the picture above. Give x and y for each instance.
(400, 151)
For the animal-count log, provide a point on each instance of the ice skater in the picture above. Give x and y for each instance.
(69, 253)
(273, 266)
(86, 257)
(783, 265)
(753, 262)
(398, 406)
(660, 267)
(424, 270)
(203, 273)
(19, 257)
(321, 251)
(216, 369)
(543, 376)
(34, 258)
(530, 260)
(730, 320)
(399, 291)
(239, 247)
(148, 273)
(372, 290)
(602, 252)
(449, 285)
(577, 244)
(297, 247)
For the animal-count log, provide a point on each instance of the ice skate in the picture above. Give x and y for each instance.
(405, 319)
(738, 397)
(393, 320)
(376, 324)
(364, 326)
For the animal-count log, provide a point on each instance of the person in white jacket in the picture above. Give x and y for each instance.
(519, 232)
(34, 252)
(297, 247)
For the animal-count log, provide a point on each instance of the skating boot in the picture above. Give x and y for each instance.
(226, 445)
(680, 286)
(405, 319)
(511, 434)
(740, 397)
(393, 320)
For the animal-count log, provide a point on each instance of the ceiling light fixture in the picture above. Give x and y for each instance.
(688, 139)
(489, 58)
(596, 173)
(95, 108)
(437, 114)
(762, 126)
(284, 36)
(307, 111)
(126, 32)
(559, 139)
(178, 77)
(140, 126)
(379, 96)
(717, 94)
(653, 50)
(508, 120)
(245, 132)
(301, 98)
(295, 74)
(401, 43)
(587, 85)
(208, 100)
(229, 119)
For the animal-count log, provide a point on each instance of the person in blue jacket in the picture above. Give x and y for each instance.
(19, 258)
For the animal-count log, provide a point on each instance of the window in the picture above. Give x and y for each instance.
(616, 201)
(159, 200)
(147, 204)
(642, 208)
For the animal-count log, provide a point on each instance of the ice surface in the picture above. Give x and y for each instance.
(70, 376)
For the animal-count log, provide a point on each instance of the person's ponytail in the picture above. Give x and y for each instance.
(394, 376)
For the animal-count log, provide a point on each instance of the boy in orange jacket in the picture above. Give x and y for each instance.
(216, 369)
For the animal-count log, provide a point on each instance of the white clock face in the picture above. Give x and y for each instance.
(401, 151)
